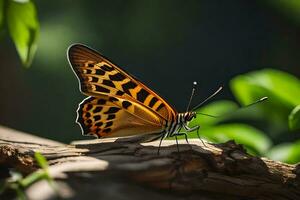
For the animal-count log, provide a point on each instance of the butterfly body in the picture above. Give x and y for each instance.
(118, 104)
(181, 121)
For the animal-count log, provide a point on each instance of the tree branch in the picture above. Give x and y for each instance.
(121, 169)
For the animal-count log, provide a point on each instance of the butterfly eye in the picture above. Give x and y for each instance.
(193, 115)
(190, 116)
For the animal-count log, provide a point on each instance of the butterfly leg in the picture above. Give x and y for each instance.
(185, 136)
(177, 143)
(188, 129)
(159, 145)
(175, 134)
(163, 134)
(200, 137)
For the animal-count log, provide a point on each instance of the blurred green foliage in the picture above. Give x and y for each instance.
(20, 18)
(294, 118)
(291, 8)
(279, 115)
(18, 183)
(287, 152)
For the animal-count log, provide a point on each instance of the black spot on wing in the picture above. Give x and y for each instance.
(113, 99)
(160, 107)
(101, 102)
(153, 101)
(95, 79)
(112, 110)
(88, 71)
(119, 93)
(111, 116)
(99, 72)
(98, 109)
(108, 83)
(127, 86)
(117, 77)
(90, 65)
(89, 107)
(97, 117)
(87, 114)
(108, 124)
(107, 68)
(101, 89)
(126, 104)
(99, 124)
(142, 95)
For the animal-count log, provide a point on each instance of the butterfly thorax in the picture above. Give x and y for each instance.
(181, 120)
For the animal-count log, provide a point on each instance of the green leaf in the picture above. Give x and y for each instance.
(44, 173)
(254, 85)
(217, 108)
(32, 178)
(290, 8)
(249, 136)
(289, 152)
(41, 160)
(38, 175)
(281, 88)
(294, 118)
(24, 28)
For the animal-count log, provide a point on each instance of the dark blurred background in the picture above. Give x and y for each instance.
(166, 44)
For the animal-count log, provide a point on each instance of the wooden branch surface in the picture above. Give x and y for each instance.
(122, 169)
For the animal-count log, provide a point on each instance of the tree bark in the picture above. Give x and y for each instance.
(123, 169)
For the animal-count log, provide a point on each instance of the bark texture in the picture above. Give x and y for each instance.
(123, 169)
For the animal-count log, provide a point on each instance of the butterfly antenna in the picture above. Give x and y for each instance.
(255, 102)
(246, 106)
(192, 95)
(208, 98)
(208, 115)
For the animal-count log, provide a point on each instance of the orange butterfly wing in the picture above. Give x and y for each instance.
(97, 75)
(120, 104)
(106, 116)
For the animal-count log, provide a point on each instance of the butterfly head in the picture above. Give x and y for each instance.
(188, 116)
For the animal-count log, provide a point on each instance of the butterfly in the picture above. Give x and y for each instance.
(118, 104)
